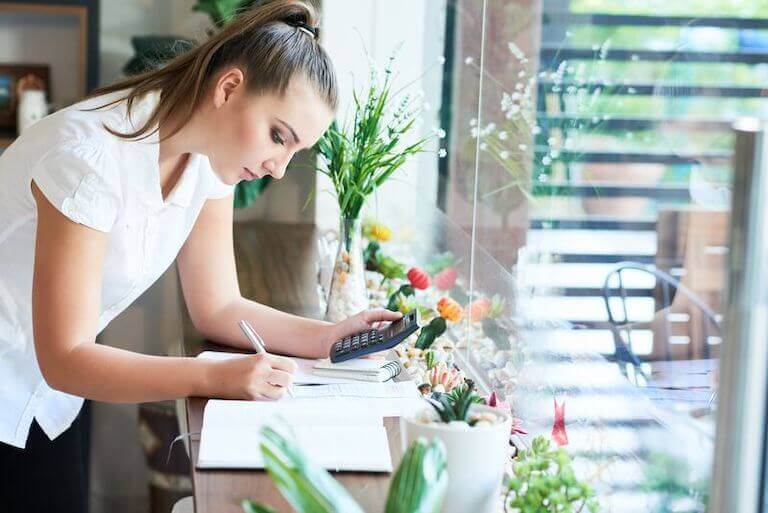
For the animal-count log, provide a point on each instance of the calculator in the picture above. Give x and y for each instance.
(374, 341)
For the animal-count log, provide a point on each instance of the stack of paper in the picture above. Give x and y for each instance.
(335, 434)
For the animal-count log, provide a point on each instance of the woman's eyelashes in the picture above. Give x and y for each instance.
(277, 137)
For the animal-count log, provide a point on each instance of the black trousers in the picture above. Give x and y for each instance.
(47, 475)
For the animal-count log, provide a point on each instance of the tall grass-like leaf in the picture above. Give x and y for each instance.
(421, 480)
(361, 157)
(306, 486)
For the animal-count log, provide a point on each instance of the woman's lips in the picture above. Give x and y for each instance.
(247, 174)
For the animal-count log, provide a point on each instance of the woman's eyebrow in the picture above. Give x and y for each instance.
(293, 133)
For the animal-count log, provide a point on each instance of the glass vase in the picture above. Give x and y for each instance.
(348, 294)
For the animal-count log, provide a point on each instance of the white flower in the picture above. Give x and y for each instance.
(522, 147)
(441, 60)
(546, 160)
(483, 146)
(440, 133)
(521, 74)
(631, 90)
(518, 86)
(506, 101)
(504, 154)
(542, 178)
(474, 132)
(635, 57)
(502, 135)
(551, 141)
(536, 130)
(490, 128)
(568, 33)
(473, 122)
(469, 60)
(442, 153)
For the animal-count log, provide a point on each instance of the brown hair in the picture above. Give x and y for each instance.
(274, 41)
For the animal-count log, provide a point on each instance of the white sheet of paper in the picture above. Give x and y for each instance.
(336, 433)
(389, 399)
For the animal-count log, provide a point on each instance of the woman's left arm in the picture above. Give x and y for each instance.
(208, 276)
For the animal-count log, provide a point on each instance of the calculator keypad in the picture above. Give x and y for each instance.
(373, 341)
(361, 340)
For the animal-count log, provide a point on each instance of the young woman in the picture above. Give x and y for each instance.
(98, 199)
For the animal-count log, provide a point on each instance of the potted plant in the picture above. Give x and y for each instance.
(358, 157)
(476, 438)
(543, 481)
(418, 485)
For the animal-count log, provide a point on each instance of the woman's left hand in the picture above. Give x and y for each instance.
(363, 321)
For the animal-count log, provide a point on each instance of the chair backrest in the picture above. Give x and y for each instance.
(669, 291)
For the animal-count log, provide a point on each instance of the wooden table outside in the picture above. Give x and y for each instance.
(275, 266)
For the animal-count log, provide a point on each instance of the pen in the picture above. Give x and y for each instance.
(257, 342)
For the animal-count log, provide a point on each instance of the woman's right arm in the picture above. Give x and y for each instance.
(65, 309)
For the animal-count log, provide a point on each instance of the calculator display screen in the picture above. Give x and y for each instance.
(399, 325)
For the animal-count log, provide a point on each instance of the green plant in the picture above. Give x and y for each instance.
(221, 11)
(430, 333)
(543, 481)
(421, 480)
(396, 298)
(418, 485)
(454, 406)
(360, 156)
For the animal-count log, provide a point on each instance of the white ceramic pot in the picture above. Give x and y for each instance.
(32, 108)
(476, 459)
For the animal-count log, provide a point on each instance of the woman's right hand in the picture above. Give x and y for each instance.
(252, 377)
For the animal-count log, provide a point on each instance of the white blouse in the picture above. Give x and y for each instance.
(101, 181)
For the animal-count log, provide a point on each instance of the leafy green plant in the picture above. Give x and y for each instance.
(394, 299)
(454, 406)
(430, 333)
(360, 156)
(418, 485)
(221, 11)
(421, 480)
(543, 481)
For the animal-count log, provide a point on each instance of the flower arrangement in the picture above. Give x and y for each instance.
(358, 156)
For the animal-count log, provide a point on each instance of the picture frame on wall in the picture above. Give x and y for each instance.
(12, 76)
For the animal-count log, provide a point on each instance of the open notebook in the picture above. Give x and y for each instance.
(320, 372)
(335, 434)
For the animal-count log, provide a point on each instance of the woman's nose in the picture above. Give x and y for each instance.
(276, 168)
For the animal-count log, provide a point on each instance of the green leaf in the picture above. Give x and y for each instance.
(404, 290)
(371, 256)
(255, 507)
(420, 481)
(430, 332)
(306, 486)
(246, 192)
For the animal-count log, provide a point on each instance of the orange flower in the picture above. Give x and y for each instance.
(449, 309)
(479, 309)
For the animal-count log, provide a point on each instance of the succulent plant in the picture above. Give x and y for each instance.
(454, 406)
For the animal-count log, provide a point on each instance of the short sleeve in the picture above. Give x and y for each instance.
(82, 182)
(216, 188)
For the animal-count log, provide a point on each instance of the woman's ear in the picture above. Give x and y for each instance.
(229, 81)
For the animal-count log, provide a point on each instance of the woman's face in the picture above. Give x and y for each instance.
(251, 136)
